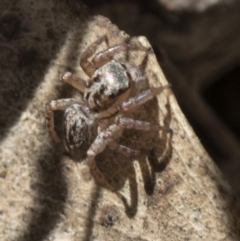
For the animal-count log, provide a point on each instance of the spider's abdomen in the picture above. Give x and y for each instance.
(77, 126)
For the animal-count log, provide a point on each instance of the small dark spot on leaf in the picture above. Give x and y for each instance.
(97, 79)
(109, 215)
(3, 174)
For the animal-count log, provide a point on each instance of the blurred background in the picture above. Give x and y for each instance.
(197, 44)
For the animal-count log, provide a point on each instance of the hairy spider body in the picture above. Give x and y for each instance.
(109, 82)
(113, 91)
(77, 126)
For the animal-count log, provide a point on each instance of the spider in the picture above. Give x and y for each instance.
(112, 93)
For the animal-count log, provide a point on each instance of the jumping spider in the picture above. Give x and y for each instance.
(113, 91)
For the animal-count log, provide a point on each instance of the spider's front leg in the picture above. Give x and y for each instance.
(74, 81)
(134, 102)
(107, 55)
(86, 65)
(126, 151)
(54, 105)
(128, 123)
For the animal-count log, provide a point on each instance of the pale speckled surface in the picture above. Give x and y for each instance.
(46, 195)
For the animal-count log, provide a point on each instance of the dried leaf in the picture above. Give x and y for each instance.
(174, 192)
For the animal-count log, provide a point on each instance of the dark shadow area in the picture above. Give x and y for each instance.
(22, 65)
(91, 213)
(50, 185)
(52, 193)
(159, 163)
(223, 97)
(26, 53)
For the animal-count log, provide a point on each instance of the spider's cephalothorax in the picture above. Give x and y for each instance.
(107, 83)
(114, 90)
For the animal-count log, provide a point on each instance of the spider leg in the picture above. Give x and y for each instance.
(86, 65)
(141, 98)
(129, 123)
(99, 144)
(54, 105)
(107, 55)
(113, 145)
(128, 152)
(74, 81)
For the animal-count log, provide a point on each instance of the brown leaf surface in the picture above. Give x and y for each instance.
(173, 193)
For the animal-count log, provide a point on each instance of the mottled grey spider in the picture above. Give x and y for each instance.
(113, 91)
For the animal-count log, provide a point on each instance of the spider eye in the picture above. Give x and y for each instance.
(111, 95)
(102, 88)
(96, 79)
(124, 66)
(87, 95)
